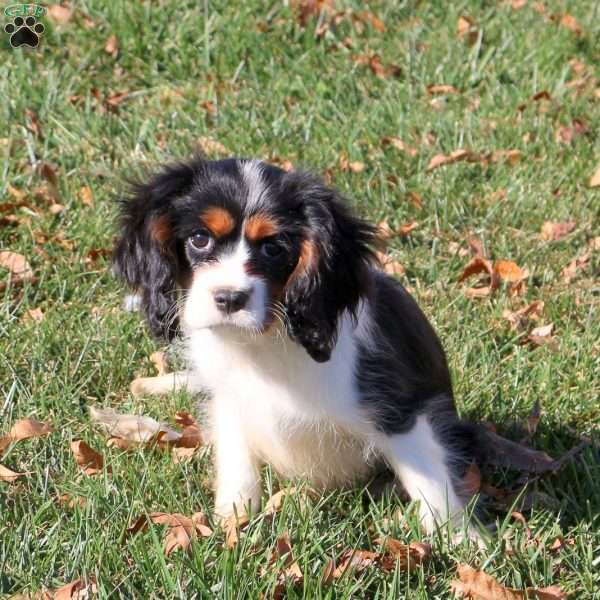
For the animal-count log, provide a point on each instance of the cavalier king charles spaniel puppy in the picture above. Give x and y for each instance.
(314, 360)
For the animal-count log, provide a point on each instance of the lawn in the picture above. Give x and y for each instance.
(348, 94)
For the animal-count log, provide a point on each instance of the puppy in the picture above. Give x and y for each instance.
(314, 361)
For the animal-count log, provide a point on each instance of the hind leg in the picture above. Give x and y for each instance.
(420, 461)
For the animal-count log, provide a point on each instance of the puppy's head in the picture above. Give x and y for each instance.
(244, 243)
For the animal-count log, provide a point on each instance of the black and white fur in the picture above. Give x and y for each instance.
(328, 370)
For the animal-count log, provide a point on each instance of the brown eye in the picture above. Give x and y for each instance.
(271, 249)
(201, 240)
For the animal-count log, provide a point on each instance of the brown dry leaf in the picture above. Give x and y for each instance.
(566, 135)
(113, 101)
(275, 502)
(440, 160)
(232, 526)
(415, 200)
(477, 585)
(385, 232)
(34, 314)
(556, 231)
(508, 271)
(60, 14)
(112, 45)
(90, 461)
(350, 560)
(23, 430)
(17, 264)
(291, 571)
(510, 156)
(408, 556)
(520, 319)
(374, 63)
(305, 9)
(397, 143)
(72, 501)
(86, 195)
(367, 17)
(466, 29)
(579, 262)
(570, 22)
(476, 266)
(136, 429)
(181, 530)
(542, 336)
(595, 178)
(191, 436)
(9, 476)
(76, 590)
(211, 147)
(435, 89)
(389, 265)
(347, 165)
(33, 124)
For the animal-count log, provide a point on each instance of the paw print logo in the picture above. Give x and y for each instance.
(24, 32)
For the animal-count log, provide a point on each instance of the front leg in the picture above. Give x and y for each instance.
(420, 461)
(238, 486)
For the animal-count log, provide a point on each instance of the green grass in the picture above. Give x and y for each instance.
(281, 92)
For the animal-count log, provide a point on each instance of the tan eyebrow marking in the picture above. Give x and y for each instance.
(260, 226)
(218, 220)
(309, 256)
(160, 229)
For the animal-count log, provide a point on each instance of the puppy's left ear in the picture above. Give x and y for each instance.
(332, 273)
(146, 255)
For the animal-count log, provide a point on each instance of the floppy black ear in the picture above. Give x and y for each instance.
(145, 254)
(332, 272)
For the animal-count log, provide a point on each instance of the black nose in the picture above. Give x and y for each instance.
(230, 301)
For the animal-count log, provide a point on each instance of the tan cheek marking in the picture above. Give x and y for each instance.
(306, 261)
(219, 221)
(259, 227)
(160, 229)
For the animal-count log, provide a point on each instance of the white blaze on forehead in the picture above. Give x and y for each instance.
(252, 174)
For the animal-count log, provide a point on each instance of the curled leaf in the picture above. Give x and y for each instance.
(90, 461)
(9, 476)
(24, 430)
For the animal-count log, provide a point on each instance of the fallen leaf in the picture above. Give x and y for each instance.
(76, 590)
(34, 314)
(509, 156)
(519, 319)
(275, 502)
(440, 160)
(86, 195)
(112, 45)
(595, 178)
(466, 29)
(378, 69)
(566, 134)
(477, 585)
(519, 517)
(407, 556)
(570, 22)
(415, 199)
(73, 501)
(17, 264)
(542, 336)
(9, 476)
(385, 232)
(33, 124)
(90, 461)
(579, 262)
(432, 90)
(389, 265)
(556, 231)
(397, 143)
(212, 147)
(476, 266)
(232, 526)
(61, 15)
(350, 560)
(353, 166)
(23, 430)
(508, 271)
(291, 571)
(137, 429)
